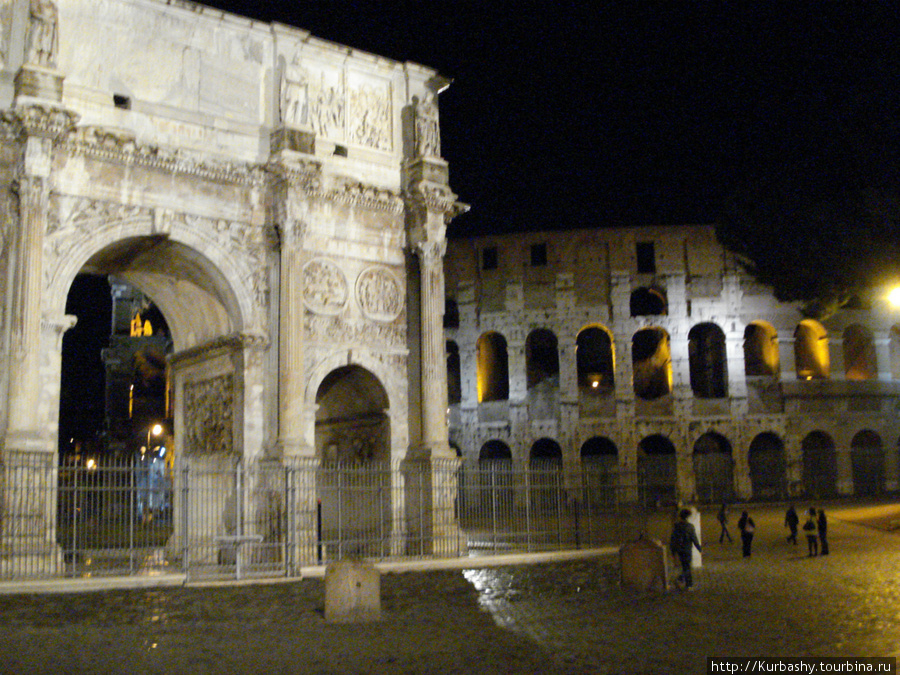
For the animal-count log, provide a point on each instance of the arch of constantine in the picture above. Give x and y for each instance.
(280, 198)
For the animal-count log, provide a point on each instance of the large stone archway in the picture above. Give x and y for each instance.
(281, 238)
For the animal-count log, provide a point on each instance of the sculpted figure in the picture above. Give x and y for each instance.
(42, 33)
(294, 105)
(428, 137)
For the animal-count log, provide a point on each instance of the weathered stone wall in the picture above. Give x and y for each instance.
(589, 279)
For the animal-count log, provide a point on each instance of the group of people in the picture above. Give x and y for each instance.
(815, 527)
(684, 536)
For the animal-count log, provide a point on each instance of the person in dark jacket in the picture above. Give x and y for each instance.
(747, 528)
(822, 522)
(723, 523)
(791, 520)
(682, 543)
(810, 528)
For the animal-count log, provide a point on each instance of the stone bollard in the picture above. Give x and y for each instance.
(352, 592)
(644, 565)
(694, 519)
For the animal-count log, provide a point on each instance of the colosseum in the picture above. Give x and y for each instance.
(648, 360)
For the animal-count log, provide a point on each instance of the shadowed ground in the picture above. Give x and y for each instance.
(550, 618)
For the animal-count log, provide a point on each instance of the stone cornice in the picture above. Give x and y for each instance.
(233, 341)
(120, 147)
(37, 120)
(435, 197)
(306, 175)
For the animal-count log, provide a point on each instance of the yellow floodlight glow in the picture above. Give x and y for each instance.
(894, 296)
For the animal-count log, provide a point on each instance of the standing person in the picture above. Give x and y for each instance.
(810, 527)
(682, 542)
(723, 522)
(822, 522)
(791, 520)
(747, 528)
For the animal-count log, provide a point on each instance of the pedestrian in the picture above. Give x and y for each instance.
(791, 520)
(682, 543)
(723, 522)
(747, 528)
(810, 528)
(822, 522)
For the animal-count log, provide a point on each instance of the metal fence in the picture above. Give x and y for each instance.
(218, 517)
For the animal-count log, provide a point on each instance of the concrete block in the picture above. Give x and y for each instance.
(352, 592)
(644, 565)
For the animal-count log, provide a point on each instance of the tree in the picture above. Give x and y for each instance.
(819, 246)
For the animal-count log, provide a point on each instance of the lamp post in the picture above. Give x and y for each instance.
(155, 430)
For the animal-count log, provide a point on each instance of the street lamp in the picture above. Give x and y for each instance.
(894, 296)
(155, 430)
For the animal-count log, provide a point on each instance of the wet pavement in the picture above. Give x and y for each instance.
(570, 617)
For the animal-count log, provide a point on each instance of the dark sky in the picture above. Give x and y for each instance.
(593, 114)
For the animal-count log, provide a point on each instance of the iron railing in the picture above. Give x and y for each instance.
(216, 516)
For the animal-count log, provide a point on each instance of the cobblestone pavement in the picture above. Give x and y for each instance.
(568, 617)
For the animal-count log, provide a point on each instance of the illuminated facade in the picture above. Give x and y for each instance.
(282, 201)
(648, 350)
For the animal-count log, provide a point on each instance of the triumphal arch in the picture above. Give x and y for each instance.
(282, 200)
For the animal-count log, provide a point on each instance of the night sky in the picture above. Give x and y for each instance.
(582, 114)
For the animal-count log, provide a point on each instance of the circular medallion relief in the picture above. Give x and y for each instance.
(378, 294)
(324, 286)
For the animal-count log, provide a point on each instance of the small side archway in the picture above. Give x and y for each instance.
(761, 357)
(708, 361)
(811, 351)
(767, 466)
(819, 465)
(652, 363)
(656, 470)
(713, 468)
(867, 463)
(493, 368)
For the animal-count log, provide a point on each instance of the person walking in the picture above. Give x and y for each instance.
(791, 520)
(822, 522)
(682, 543)
(747, 528)
(810, 528)
(723, 523)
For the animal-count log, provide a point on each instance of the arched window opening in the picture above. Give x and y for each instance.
(767, 467)
(708, 361)
(545, 467)
(542, 358)
(859, 353)
(454, 378)
(495, 479)
(761, 357)
(713, 468)
(656, 470)
(648, 302)
(594, 360)
(493, 368)
(652, 363)
(451, 313)
(819, 465)
(811, 350)
(867, 462)
(599, 466)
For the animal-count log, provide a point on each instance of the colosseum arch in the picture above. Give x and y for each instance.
(454, 376)
(708, 361)
(652, 363)
(811, 351)
(541, 358)
(648, 302)
(656, 470)
(599, 466)
(819, 465)
(859, 353)
(713, 468)
(761, 358)
(867, 463)
(767, 466)
(492, 368)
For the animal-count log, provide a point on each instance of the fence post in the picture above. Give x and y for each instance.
(493, 469)
(75, 518)
(558, 479)
(528, 489)
(185, 519)
(131, 517)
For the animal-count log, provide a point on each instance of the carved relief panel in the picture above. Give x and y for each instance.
(379, 295)
(324, 286)
(209, 416)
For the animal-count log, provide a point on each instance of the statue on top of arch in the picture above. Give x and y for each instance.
(428, 135)
(43, 33)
